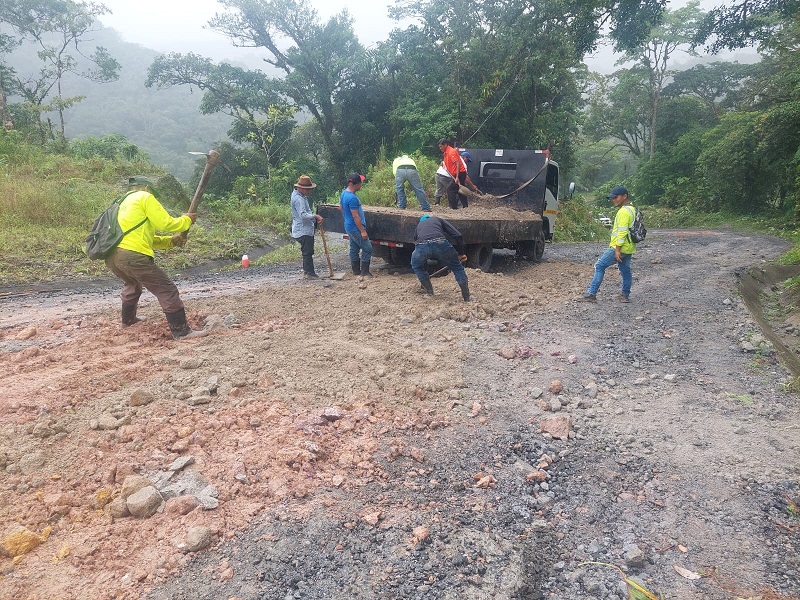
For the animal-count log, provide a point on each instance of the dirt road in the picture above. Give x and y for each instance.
(343, 440)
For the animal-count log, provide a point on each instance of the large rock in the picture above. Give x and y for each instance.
(118, 508)
(197, 538)
(134, 483)
(141, 397)
(145, 502)
(19, 541)
(557, 426)
(181, 505)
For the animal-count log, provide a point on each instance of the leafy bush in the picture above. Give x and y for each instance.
(110, 147)
(378, 189)
(576, 222)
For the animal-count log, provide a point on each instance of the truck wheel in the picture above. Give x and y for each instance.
(539, 243)
(479, 256)
(400, 257)
(526, 250)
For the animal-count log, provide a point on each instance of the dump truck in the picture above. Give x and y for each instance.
(517, 211)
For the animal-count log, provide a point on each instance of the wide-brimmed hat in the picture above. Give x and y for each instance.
(305, 182)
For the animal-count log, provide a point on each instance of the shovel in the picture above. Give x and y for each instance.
(327, 254)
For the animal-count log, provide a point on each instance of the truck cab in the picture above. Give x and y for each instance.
(525, 180)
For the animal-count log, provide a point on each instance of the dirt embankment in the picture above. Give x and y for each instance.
(357, 439)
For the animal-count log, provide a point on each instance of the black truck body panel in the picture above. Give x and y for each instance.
(500, 172)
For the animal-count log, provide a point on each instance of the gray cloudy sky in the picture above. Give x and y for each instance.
(180, 25)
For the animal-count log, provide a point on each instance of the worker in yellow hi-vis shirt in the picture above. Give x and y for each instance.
(133, 260)
(405, 169)
(620, 250)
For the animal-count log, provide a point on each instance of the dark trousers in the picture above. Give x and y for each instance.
(454, 195)
(307, 250)
(442, 252)
(139, 270)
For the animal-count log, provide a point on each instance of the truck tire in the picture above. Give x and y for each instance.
(526, 250)
(479, 256)
(538, 250)
(400, 257)
(532, 250)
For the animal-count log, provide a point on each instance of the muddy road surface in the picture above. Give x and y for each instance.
(360, 440)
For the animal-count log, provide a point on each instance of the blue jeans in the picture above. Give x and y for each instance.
(412, 177)
(358, 244)
(606, 260)
(444, 253)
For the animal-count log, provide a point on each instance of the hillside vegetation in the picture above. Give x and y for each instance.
(48, 201)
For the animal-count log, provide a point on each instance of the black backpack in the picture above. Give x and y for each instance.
(637, 231)
(106, 234)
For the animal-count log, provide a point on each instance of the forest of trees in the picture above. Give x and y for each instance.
(714, 136)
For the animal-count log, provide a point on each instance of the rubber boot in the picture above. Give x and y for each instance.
(365, 270)
(427, 286)
(356, 266)
(129, 315)
(180, 328)
(465, 292)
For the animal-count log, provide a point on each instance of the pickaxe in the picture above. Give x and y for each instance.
(212, 159)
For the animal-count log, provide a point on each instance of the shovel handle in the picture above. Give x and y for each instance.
(325, 246)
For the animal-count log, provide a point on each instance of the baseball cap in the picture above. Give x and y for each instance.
(466, 156)
(141, 180)
(617, 191)
(356, 178)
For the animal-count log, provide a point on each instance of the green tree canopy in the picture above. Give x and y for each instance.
(59, 30)
(318, 59)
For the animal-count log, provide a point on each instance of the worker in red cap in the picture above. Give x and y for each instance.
(355, 224)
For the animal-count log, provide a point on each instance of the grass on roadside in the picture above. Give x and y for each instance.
(48, 202)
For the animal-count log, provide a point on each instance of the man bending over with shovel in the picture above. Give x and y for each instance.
(431, 241)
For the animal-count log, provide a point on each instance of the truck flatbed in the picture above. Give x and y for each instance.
(479, 224)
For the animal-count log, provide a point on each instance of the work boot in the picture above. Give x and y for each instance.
(365, 270)
(129, 315)
(180, 328)
(624, 299)
(310, 276)
(356, 266)
(427, 286)
(465, 292)
(587, 298)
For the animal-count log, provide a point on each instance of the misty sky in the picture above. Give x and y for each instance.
(181, 25)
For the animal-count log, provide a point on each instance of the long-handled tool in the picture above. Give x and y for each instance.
(327, 254)
(440, 271)
(212, 159)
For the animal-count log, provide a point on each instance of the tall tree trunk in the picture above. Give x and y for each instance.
(653, 121)
(5, 115)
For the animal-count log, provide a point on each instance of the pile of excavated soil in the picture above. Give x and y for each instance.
(358, 439)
